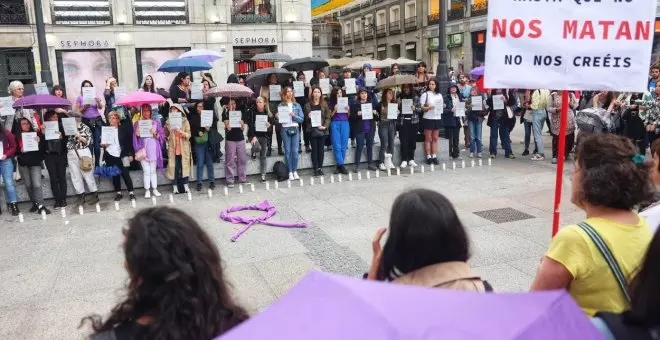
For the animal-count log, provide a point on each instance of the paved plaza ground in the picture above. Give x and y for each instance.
(56, 271)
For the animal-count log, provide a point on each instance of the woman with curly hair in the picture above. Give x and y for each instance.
(176, 286)
(594, 259)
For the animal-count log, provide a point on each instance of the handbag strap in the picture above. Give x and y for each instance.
(609, 258)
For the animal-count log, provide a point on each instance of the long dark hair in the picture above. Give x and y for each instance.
(146, 88)
(424, 230)
(19, 130)
(85, 82)
(383, 98)
(176, 280)
(644, 292)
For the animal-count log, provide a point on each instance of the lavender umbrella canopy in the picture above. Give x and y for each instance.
(330, 307)
(41, 101)
(230, 90)
(477, 72)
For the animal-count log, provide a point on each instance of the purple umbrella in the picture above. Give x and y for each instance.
(41, 101)
(324, 307)
(477, 72)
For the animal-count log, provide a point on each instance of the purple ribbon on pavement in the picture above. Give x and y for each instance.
(250, 221)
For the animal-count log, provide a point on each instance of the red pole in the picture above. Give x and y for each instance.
(560, 159)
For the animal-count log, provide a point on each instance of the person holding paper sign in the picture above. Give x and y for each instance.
(56, 161)
(272, 104)
(259, 122)
(339, 128)
(409, 124)
(201, 128)
(7, 152)
(290, 133)
(476, 111)
(92, 117)
(120, 154)
(109, 94)
(29, 165)
(304, 127)
(498, 123)
(149, 151)
(452, 123)
(389, 112)
(178, 151)
(317, 120)
(432, 106)
(78, 155)
(235, 150)
(365, 129)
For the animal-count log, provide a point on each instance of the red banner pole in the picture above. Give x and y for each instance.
(563, 118)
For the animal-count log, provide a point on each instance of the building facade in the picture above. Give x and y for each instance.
(326, 37)
(382, 29)
(128, 39)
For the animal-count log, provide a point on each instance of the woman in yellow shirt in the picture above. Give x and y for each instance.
(608, 180)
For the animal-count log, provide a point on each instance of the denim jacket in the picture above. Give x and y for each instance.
(298, 117)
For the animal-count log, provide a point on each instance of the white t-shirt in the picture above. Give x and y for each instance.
(432, 99)
(652, 216)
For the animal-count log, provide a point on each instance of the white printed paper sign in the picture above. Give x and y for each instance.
(298, 89)
(260, 123)
(6, 108)
(30, 141)
(41, 88)
(206, 118)
(392, 110)
(70, 126)
(569, 45)
(235, 119)
(52, 130)
(367, 111)
(342, 105)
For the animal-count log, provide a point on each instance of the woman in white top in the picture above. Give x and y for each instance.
(292, 115)
(432, 105)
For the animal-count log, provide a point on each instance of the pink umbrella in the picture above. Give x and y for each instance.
(138, 98)
(230, 90)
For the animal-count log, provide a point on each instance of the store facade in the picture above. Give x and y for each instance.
(129, 48)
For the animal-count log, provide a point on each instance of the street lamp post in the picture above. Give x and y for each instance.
(46, 76)
(442, 70)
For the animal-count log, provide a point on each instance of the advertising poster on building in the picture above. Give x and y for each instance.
(149, 60)
(569, 45)
(76, 66)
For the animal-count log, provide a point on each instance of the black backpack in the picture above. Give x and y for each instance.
(281, 172)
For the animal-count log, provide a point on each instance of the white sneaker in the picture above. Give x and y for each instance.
(382, 166)
(291, 178)
(147, 194)
(156, 192)
(175, 189)
(471, 155)
(480, 155)
(295, 175)
(412, 163)
(186, 187)
(404, 164)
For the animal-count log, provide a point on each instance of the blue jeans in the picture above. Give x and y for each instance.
(7, 172)
(360, 139)
(339, 132)
(475, 135)
(499, 126)
(291, 145)
(528, 134)
(538, 119)
(204, 158)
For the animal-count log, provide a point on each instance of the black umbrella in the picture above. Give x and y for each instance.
(305, 64)
(259, 76)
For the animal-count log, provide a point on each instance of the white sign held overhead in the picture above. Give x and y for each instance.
(569, 45)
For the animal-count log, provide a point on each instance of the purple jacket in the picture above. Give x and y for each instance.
(139, 142)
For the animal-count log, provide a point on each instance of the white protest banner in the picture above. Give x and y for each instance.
(89, 95)
(392, 110)
(235, 119)
(144, 128)
(370, 79)
(298, 89)
(498, 102)
(109, 135)
(176, 121)
(274, 93)
(6, 108)
(284, 114)
(30, 141)
(406, 106)
(41, 88)
(70, 126)
(196, 91)
(367, 111)
(206, 118)
(460, 109)
(260, 123)
(349, 83)
(324, 84)
(342, 105)
(569, 45)
(477, 103)
(52, 130)
(316, 118)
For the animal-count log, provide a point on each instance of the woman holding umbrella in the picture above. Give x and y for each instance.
(148, 151)
(178, 150)
(290, 133)
(265, 92)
